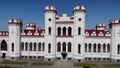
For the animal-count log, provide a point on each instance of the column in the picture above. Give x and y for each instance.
(101, 48)
(32, 46)
(106, 49)
(92, 48)
(87, 48)
(96, 48)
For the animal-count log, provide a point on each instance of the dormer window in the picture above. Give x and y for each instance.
(49, 19)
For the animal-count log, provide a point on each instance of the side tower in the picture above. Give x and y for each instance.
(78, 33)
(115, 40)
(15, 26)
(50, 34)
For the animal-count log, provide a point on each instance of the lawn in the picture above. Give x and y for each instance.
(9, 67)
(42, 63)
(14, 62)
(111, 65)
(85, 64)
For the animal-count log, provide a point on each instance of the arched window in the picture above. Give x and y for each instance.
(58, 47)
(64, 47)
(43, 48)
(39, 46)
(89, 47)
(79, 48)
(69, 47)
(12, 47)
(34, 46)
(3, 45)
(59, 31)
(94, 47)
(64, 31)
(22, 46)
(49, 30)
(99, 47)
(108, 48)
(85, 47)
(49, 48)
(26, 46)
(79, 31)
(104, 47)
(69, 31)
(30, 46)
(118, 50)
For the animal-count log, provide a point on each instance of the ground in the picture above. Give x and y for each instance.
(60, 64)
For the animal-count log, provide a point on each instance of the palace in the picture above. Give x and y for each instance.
(64, 37)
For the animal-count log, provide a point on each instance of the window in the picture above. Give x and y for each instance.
(22, 46)
(58, 47)
(104, 47)
(69, 31)
(4, 45)
(108, 48)
(12, 47)
(43, 47)
(89, 47)
(59, 31)
(79, 48)
(118, 49)
(94, 47)
(34, 46)
(64, 47)
(30, 46)
(49, 29)
(26, 46)
(99, 48)
(64, 31)
(49, 19)
(85, 47)
(49, 48)
(79, 31)
(69, 47)
(39, 46)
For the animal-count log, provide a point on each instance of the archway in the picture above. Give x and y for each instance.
(3, 45)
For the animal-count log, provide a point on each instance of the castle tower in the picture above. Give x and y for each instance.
(78, 33)
(50, 34)
(15, 27)
(115, 37)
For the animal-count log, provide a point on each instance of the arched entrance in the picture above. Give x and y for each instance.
(3, 48)
(3, 45)
(64, 55)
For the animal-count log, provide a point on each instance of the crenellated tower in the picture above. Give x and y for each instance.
(115, 37)
(78, 33)
(15, 27)
(50, 34)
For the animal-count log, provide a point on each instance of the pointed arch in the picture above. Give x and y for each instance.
(30, 46)
(35, 46)
(64, 31)
(99, 47)
(69, 31)
(64, 47)
(85, 47)
(26, 46)
(4, 45)
(79, 48)
(69, 46)
(94, 47)
(49, 30)
(59, 31)
(79, 30)
(58, 47)
(49, 48)
(22, 46)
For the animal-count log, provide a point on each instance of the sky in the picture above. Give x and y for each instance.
(32, 11)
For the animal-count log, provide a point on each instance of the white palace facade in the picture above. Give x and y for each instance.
(64, 37)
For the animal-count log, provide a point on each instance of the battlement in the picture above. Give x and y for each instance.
(50, 8)
(15, 21)
(80, 8)
(114, 22)
(31, 26)
(100, 26)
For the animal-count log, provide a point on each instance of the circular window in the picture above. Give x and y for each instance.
(79, 19)
(49, 19)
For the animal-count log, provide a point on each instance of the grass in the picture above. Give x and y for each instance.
(9, 67)
(85, 64)
(42, 63)
(111, 65)
(14, 62)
